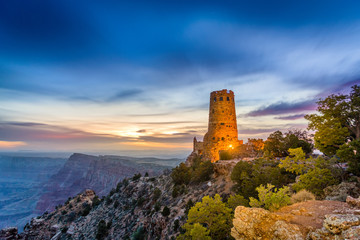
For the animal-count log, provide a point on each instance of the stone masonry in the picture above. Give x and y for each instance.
(222, 132)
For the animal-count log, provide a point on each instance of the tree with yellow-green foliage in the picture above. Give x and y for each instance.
(315, 174)
(199, 232)
(212, 214)
(337, 120)
(237, 200)
(271, 198)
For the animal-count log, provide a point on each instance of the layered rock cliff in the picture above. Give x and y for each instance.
(100, 173)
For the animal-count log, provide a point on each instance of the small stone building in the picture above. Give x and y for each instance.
(222, 132)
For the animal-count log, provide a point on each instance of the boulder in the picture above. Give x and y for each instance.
(341, 191)
(354, 202)
(258, 223)
(337, 223)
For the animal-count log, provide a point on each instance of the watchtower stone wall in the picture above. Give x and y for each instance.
(222, 132)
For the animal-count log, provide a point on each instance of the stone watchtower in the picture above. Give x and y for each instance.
(222, 132)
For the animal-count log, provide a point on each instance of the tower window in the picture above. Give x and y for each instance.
(213, 111)
(214, 99)
(213, 138)
(227, 99)
(223, 138)
(222, 123)
(221, 98)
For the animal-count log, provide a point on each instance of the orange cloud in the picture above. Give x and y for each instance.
(11, 144)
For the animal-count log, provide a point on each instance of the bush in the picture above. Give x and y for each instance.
(157, 206)
(178, 190)
(64, 229)
(212, 212)
(136, 177)
(166, 211)
(102, 230)
(302, 196)
(86, 209)
(237, 200)
(181, 174)
(176, 225)
(96, 201)
(139, 234)
(116, 204)
(202, 172)
(108, 200)
(271, 198)
(248, 176)
(315, 181)
(156, 194)
(188, 206)
(140, 201)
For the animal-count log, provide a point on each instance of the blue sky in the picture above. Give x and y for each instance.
(135, 77)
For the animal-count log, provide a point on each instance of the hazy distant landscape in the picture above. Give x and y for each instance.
(21, 182)
(31, 185)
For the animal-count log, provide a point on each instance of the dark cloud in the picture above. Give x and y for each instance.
(291, 117)
(283, 108)
(141, 131)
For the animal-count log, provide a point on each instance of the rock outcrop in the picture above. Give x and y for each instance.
(10, 233)
(258, 223)
(100, 173)
(338, 226)
(341, 191)
(131, 207)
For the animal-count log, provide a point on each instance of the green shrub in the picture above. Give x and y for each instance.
(237, 200)
(302, 196)
(156, 194)
(188, 206)
(315, 181)
(166, 211)
(108, 200)
(157, 206)
(102, 230)
(176, 225)
(64, 229)
(202, 172)
(199, 232)
(271, 198)
(86, 209)
(96, 201)
(140, 201)
(136, 177)
(248, 176)
(181, 174)
(212, 212)
(178, 190)
(139, 234)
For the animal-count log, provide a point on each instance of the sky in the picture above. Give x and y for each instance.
(134, 77)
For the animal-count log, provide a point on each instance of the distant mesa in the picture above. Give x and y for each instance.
(222, 136)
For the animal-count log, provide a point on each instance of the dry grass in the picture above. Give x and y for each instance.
(302, 196)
